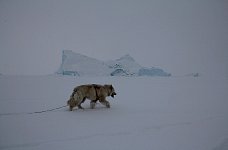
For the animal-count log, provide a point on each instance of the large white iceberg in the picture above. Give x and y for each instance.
(76, 64)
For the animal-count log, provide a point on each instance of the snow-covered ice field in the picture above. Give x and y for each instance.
(173, 113)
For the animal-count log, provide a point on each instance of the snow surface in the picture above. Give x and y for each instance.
(184, 113)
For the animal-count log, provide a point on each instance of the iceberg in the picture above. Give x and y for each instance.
(75, 64)
(80, 65)
(153, 72)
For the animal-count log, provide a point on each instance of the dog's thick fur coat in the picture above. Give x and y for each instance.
(93, 92)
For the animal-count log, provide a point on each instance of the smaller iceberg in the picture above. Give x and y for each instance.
(153, 72)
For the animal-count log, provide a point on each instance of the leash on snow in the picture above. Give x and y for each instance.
(35, 112)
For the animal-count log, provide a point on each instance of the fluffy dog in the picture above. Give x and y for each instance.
(93, 92)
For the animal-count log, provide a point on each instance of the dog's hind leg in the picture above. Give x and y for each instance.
(71, 108)
(71, 103)
(79, 105)
(78, 99)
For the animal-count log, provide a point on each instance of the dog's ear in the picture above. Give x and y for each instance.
(111, 87)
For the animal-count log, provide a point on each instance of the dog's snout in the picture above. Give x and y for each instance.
(113, 94)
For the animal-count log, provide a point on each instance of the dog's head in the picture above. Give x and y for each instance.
(111, 90)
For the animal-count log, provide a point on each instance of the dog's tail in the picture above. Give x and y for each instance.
(74, 91)
(69, 102)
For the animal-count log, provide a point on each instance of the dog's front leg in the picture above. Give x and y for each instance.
(104, 102)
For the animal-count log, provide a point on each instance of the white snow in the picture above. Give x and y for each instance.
(176, 113)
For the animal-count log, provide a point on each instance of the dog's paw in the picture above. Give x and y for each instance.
(108, 105)
(80, 107)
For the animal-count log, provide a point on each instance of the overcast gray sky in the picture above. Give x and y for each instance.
(180, 36)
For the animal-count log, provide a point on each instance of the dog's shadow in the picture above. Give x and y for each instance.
(86, 108)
